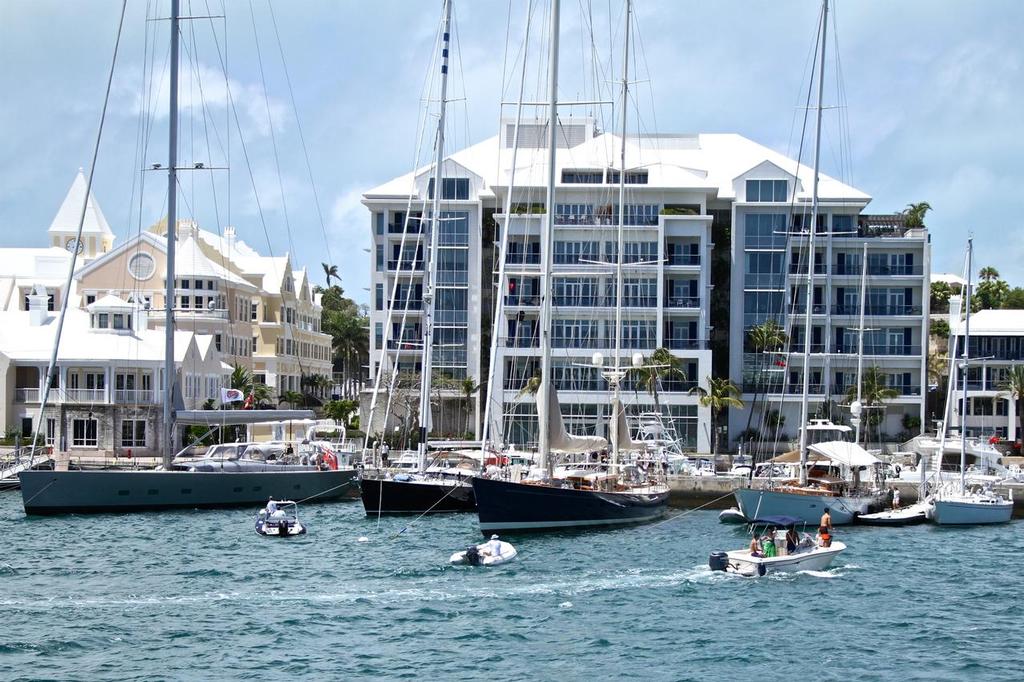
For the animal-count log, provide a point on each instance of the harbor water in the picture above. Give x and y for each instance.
(198, 595)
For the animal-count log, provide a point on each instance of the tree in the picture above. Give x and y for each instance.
(913, 214)
(940, 293)
(661, 364)
(243, 380)
(349, 327)
(874, 393)
(330, 272)
(293, 398)
(939, 328)
(469, 386)
(764, 338)
(720, 395)
(1014, 299)
(988, 273)
(990, 295)
(1014, 387)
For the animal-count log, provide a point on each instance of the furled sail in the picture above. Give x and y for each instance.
(625, 442)
(561, 440)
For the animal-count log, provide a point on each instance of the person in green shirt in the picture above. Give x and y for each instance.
(768, 543)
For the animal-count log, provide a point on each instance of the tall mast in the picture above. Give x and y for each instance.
(432, 242)
(616, 375)
(172, 229)
(964, 365)
(804, 407)
(547, 231)
(860, 338)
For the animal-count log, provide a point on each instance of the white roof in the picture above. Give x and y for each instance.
(846, 453)
(70, 211)
(190, 261)
(993, 323)
(21, 341)
(707, 161)
(110, 302)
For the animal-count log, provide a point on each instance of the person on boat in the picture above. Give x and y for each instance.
(825, 525)
(271, 506)
(895, 497)
(494, 546)
(824, 537)
(755, 547)
(384, 450)
(768, 543)
(792, 540)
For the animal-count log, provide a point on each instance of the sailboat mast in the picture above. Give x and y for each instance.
(172, 220)
(804, 406)
(432, 242)
(964, 365)
(860, 340)
(619, 285)
(547, 232)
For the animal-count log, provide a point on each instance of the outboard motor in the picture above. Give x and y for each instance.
(472, 556)
(718, 561)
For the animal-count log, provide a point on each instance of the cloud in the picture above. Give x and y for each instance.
(348, 231)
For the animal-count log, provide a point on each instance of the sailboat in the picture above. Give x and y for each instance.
(171, 487)
(429, 489)
(572, 499)
(958, 504)
(804, 499)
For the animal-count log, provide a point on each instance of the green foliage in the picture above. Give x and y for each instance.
(330, 272)
(940, 293)
(988, 274)
(874, 394)
(661, 364)
(1014, 299)
(1014, 388)
(293, 398)
(720, 395)
(520, 209)
(990, 295)
(677, 210)
(243, 380)
(343, 411)
(939, 328)
(349, 327)
(913, 214)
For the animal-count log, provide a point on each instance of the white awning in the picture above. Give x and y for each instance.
(846, 453)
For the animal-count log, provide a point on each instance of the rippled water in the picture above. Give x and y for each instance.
(198, 595)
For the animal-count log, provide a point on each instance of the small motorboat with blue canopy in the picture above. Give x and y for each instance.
(778, 546)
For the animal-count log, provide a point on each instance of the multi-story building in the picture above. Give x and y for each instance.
(996, 345)
(771, 215)
(681, 190)
(236, 306)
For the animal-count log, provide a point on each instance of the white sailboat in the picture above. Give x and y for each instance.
(807, 499)
(958, 504)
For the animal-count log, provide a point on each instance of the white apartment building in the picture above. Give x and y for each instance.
(681, 189)
(997, 344)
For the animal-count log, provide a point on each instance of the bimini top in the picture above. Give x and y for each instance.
(846, 453)
(784, 521)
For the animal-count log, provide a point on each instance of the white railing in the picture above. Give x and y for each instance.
(85, 395)
(26, 395)
(133, 395)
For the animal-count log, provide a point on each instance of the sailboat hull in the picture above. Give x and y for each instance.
(967, 512)
(754, 503)
(504, 506)
(86, 492)
(382, 496)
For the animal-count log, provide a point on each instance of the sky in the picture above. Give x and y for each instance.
(929, 107)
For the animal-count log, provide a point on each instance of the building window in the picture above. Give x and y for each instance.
(141, 266)
(380, 257)
(133, 433)
(90, 299)
(582, 177)
(186, 302)
(26, 427)
(102, 321)
(216, 341)
(767, 190)
(254, 345)
(186, 284)
(199, 284)
(451, 188)
(379, 297)
(51, 431)
(632, 177)
(378, 223)
(118, 321)
(83, 433)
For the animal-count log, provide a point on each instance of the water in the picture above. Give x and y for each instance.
(198, 595)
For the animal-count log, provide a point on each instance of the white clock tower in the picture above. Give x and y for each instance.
(97, 237)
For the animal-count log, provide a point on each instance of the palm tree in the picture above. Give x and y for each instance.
(1014, 387)
(330, 272)
(468, 388)
(988, 273)
(244, 380)
(293, 398)
(720, 395)
(764, 338)
(874, 393)
(661, 364)
(913, 214)
(531, 387)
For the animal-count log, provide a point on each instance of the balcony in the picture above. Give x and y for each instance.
(406, 264)
(85, 395)
(682, 259)
(133, 396)
(415, 226)
(683, 302)
(797, 347)
(878, 271)
(683, 343)
(801, 269)
(404, 345)
(893, 349)
(402, 305)
(798, 388)
(593, 219)
(522, 342)
(876, 310)
(522, 300)
(523, 259)
(26, 395)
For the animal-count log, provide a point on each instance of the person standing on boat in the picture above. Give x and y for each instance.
(895, 497)
(384, 450)
(825, 529)
(494, 546)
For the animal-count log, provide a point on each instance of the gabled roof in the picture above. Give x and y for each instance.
(110, 302)
(70, 212)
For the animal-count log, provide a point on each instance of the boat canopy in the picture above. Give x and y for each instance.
(846, 453)
(233, 417)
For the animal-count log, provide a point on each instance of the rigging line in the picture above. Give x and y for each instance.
(302, 137)
(52, 365)
(273, 135)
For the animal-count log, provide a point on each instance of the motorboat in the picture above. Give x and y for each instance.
(919, 512)
(280, 519)
(732, 515)
(491, 553)
(808, 554)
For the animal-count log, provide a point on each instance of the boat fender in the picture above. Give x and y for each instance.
(718, 561)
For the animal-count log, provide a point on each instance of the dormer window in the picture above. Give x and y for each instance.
(451, 188)
(767, 190)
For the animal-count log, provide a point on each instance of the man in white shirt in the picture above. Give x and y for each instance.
(895, 497)
(494, 546)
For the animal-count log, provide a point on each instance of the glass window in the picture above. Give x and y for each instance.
(102, 321)
(118, 321)
(186, 284)
(454, 228)
(764, 231)
(83, 433)
(582, 177)
(767, 190)
(378, 223)
(842, 223)
(378, 297)
(133, 433)
(451, 188)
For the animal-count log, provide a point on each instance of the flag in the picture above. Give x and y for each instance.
(250, 402)
(231, 395)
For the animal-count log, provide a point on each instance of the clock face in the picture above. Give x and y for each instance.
(74, 245)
